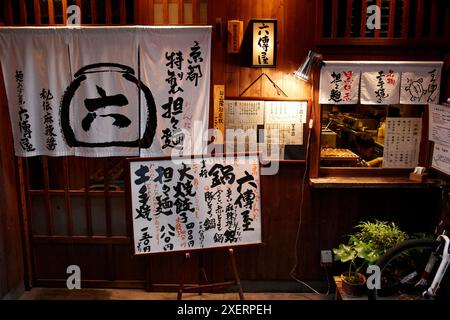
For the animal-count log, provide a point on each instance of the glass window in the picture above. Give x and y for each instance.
(354, 135)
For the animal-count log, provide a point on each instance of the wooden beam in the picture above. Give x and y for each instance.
(93, 12)
(67, 200)
(37, 12)
(419, 19)
(87, 198)
(180, 12)
(378, 31)
(195, 11)
(107, 197)
(108, 12)
(405, 19)
(433, 19)
(363, 19)
(391, 26)
(51, 12)
(64, 11)
(48, 207)
(165, 5)
(334, 18)
(123, 12)
(23, 13)
(348, 19)
(9, 21)
(80, 240)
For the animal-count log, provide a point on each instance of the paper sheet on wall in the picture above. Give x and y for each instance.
(241, 116)
(402, 142)
(441, 158)
(439, 124)
(288, 118)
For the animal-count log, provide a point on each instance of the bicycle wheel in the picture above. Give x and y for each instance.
(401, 269)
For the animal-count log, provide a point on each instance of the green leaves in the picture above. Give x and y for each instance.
(371, 240)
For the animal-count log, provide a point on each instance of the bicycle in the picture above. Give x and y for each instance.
(406, 269)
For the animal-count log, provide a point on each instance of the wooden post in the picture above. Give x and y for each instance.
(236, 274)
(187, 256)
(200, 287)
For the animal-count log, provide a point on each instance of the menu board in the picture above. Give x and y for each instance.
(283, 123)
(439, 124)
(402, 142)
(188, 204)
(441, 158)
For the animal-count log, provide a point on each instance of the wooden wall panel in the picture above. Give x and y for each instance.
(327, 215)
(11, 262)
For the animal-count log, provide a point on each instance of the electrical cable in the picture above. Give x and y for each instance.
(297, 238)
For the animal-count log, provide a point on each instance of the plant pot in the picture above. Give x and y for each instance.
(356, 286)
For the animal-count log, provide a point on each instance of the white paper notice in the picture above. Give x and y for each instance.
(244, 112)
(402, 142)
(441, 158)
(439, 124)
(288, 118)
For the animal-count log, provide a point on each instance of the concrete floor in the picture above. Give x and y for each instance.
(137, 294)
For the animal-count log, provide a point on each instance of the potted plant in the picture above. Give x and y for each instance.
(369, 241)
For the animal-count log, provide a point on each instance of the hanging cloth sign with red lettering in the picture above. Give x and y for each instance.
(339, 85)
(380, 86)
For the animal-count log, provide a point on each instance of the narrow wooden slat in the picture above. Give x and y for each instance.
(87, 198)
(108, 11)
(67, 200)
(37, 12)
(80, 240)
(79, 3)
(378, 31)
(447, 25)
(151, 12)
(391, 26)
(334, 18)
(123, 12)
(348, 19)
(94, 12)
(8, 13)
(419, 19)
(24, 186)
(48, 207)
(180, 12)
(165, 5)
(196, 11)
(433, 19)
(51, 12)
(363, 18)
(107, 197)
(23, 13)
(405, 19)
(64, 11)
(318, 22)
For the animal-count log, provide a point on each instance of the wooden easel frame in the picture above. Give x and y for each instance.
(200, 286)
(149, 285)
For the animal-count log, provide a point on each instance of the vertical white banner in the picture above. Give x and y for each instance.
(175, 66)
(100, 110)
(36, 73)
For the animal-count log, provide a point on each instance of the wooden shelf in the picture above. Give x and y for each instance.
(370, 182)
